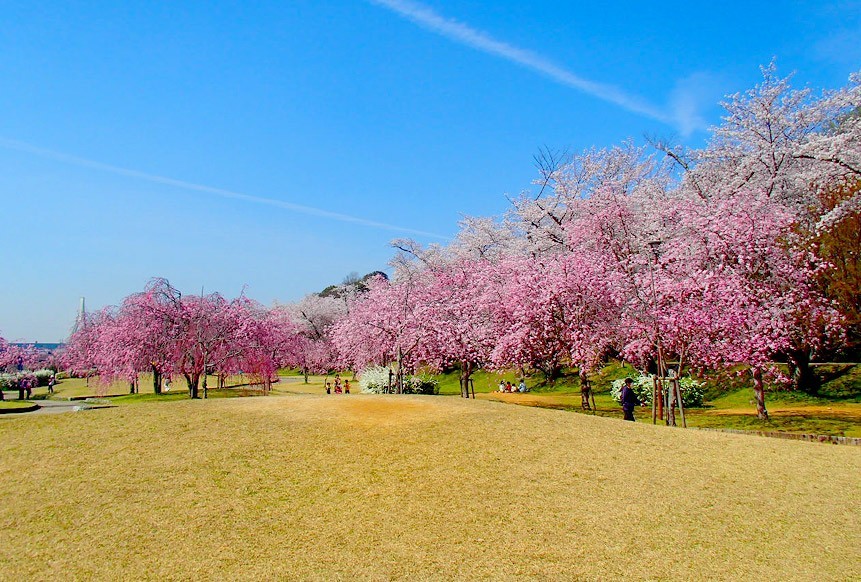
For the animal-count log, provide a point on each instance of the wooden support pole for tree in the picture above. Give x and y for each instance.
(654, 398)
(678, 387)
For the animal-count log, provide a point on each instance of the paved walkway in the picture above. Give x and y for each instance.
(45, 406)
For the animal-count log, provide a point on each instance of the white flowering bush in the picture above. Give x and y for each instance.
(37, 378)
(692, 390)
(421, 385)
(375, 380)
(14, 381)
(8, 381)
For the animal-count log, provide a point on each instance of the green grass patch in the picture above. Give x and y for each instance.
(14, 404)
(840, 381)
(729, 403)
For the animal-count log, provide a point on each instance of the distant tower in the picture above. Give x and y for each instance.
(81, 318)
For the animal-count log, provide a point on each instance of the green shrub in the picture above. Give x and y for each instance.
(42, 376)
(692, 390)
(421, 385)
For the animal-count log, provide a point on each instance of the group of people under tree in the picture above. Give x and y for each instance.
(507, 386)
(338, 386)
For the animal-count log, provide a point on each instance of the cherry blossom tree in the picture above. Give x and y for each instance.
(383, 326)
(163, 331)
(314, 317)
(264, 340)
(9, 355)
(554, 311)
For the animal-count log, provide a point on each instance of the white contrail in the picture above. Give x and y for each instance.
(74, 160)
(469, 36)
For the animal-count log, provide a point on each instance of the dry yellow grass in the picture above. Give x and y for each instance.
(408, 487)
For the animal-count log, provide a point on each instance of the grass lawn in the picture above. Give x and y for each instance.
(119, 391)
(411, 487)
(788, 412)
(731, 407)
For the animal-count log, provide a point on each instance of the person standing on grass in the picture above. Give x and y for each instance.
(51, 381)
(629, 399)
(346, 386)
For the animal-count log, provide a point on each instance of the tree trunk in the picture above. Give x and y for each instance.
(132, 387)
(803, 378)
(192, 380)
(465, 374)
(551, 372)
(156, 380)
(585, 390)
(759, 393)
(305, 373)
(400, 376)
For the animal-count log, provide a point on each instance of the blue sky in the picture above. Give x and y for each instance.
(281, 145)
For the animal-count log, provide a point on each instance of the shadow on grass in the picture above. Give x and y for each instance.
(230, 392)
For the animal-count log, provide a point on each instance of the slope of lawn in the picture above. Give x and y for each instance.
(788, 412)
(411, 487)
(729, 404)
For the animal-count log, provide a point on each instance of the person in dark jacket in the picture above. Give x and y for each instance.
(629, 399)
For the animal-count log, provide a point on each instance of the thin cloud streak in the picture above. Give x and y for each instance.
(469, 36)
(310, 210)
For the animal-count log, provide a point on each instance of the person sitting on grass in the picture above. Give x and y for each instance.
(522, 387)
(508, 387)
(502, 385)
